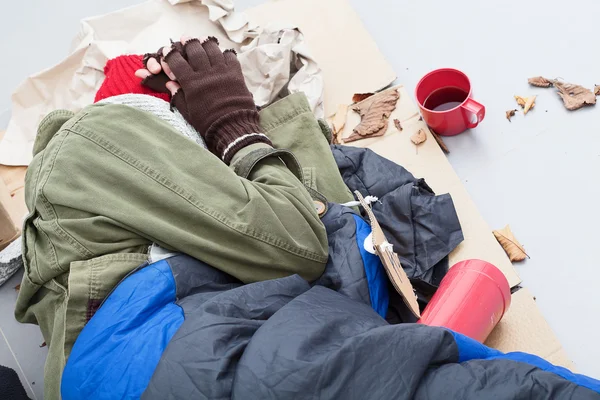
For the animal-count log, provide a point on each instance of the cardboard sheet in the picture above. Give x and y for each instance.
(14, 180)
(12, 202)
(8, 230)
(523, 328)
(390, 260)
(429, 162)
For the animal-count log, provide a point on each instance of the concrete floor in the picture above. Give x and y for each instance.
(536, 173)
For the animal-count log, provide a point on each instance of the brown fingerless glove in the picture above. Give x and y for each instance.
(214, 97)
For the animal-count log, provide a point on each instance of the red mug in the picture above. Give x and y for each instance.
(444, 98)
(472, 299)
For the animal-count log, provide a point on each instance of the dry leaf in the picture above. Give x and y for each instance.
(419, 137)
(397, 124)
(18, 287)
(339, 120)
(521, 100)
(374, 115)
(509, 243)
(358, 97)
(540, 81)
(529, 104)
(439, 141)
(510, 114)
(574, 96)
(43, 345)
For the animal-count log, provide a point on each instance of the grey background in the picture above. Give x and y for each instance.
(538, 173)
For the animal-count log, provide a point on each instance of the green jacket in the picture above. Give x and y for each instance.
(106, 183)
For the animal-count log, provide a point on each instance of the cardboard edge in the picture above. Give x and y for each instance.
(524, 328)
(8, 230)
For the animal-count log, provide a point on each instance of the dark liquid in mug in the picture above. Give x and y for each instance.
(445, 98)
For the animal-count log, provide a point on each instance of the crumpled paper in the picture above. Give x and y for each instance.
(73, 82)
(278, 63)
(236, 25)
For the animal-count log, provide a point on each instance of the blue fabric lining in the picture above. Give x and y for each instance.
(376, 275)
(118, 350)
(470, 349)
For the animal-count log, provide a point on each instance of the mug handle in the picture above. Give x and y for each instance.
(476, 108)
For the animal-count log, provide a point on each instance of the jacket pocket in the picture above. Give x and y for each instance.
(90, 282)
(29, 250)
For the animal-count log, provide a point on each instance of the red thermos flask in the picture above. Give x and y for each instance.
(471, 299)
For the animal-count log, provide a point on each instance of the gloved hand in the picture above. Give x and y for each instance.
(156, 81)
(213, 96)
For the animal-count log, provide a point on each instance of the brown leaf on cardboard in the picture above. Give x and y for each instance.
(358, 97)
(521, 100)
(355, 136)
(529, 104)
(597, 90)
(418, 137)
(574, 96)
(439, 141)
(540, 81)
(510, 114)
(374, 115)
(338, 122)
(397, 124)
(509, 243)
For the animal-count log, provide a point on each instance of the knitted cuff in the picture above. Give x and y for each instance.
(234, 131)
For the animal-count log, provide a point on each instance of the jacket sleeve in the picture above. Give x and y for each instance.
(117, 174)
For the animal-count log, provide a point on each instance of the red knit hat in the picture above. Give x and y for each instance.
(120, 79)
